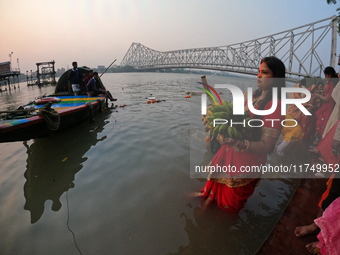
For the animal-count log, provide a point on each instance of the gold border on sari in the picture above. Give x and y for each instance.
(234, 182)
(240, 180)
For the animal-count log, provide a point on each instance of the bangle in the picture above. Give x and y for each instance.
(246, 145)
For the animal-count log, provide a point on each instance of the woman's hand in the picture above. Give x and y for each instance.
(316, 95)
(309, 107)
(323, 98)
(225, 141)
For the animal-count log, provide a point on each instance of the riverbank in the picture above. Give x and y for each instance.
(301, 210)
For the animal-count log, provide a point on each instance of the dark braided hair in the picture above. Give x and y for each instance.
(330, 71)
(279, 71)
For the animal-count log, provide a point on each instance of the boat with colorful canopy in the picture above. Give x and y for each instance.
(47, 115)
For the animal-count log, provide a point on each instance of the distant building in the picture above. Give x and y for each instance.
(101, 68)
(60, 71)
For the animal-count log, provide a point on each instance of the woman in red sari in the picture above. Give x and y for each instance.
(322, 115)
(232, 192)
(308, 121)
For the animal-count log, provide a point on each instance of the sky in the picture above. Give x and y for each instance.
(97, 32)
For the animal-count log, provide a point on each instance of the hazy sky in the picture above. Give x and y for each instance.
(97, 32)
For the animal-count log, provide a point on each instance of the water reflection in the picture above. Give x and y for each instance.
(214, 231)
(209, 233)
(53, 162)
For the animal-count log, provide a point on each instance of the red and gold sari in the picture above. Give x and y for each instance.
(325, 146)
(322, 115)
(232, 192)
(308, 122)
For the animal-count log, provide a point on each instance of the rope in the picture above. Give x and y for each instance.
(100, 105)
(90, 106)
(17, 114)
(68, 223)
(51, 117)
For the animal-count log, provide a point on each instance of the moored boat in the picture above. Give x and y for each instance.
(50, 114)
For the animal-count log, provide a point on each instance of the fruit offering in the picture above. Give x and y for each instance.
(220, 121)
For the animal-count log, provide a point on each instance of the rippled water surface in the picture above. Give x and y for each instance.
(121, 185)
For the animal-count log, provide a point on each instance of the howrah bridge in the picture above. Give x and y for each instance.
(305, 50)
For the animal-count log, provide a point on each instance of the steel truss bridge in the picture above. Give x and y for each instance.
(305, 51)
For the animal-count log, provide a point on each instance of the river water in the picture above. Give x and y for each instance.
(122, 184)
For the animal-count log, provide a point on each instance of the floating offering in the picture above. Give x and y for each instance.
(154, 101)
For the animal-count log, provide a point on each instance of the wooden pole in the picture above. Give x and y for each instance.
(107, 68)
(207, 135)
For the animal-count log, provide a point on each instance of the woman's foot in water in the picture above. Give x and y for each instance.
(195, 194)
(205, 203)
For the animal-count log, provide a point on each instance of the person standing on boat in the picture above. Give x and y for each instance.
(75, 78)
(93, 91)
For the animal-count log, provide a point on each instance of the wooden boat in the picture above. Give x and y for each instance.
(51, 114)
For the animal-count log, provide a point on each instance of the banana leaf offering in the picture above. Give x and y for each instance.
(220, 121)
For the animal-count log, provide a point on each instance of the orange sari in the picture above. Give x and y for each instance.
(232, 192)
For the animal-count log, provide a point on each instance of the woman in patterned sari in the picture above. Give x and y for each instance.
(233, 190)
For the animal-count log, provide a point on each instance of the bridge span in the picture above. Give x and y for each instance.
(305, 50)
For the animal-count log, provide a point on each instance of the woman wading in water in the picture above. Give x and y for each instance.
(232, 190)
